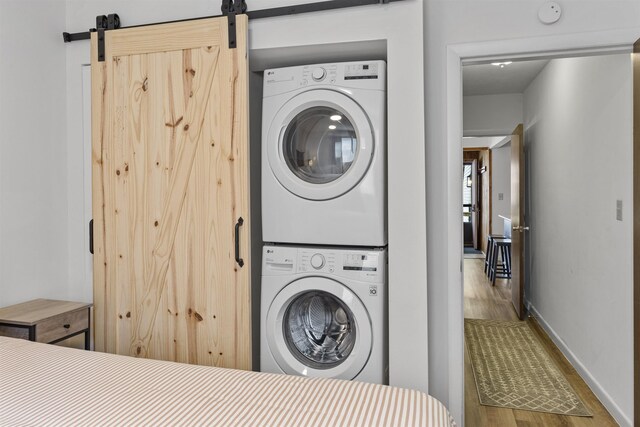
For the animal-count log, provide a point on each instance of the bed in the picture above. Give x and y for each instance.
(47, 385)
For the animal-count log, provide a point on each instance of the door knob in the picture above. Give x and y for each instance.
(520, 228)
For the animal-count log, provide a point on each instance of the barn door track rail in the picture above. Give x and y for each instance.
(230, 8)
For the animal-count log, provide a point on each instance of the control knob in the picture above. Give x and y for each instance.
(318, 74)
(317, 261)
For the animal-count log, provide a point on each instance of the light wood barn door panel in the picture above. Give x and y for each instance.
(170, 168)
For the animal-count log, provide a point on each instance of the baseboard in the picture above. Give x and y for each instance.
(593, 384)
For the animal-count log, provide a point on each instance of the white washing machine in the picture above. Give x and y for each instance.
(324, 154)
(323, 313)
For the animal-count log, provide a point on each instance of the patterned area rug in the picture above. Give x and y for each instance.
(513, 370)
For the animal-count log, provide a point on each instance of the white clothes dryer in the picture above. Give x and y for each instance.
(324, 154)
(323, 313)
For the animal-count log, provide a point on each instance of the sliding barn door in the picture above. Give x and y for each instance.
(170, 184)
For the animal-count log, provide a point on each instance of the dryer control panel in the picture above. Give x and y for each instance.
(368, 265)
(358, 75)
(361, 71)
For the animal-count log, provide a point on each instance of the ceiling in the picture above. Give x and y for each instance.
(487, 79)
(485, 141)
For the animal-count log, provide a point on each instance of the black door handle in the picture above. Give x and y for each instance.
(239, 260)
(91, 237)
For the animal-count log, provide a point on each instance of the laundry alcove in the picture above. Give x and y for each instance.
(260, 60)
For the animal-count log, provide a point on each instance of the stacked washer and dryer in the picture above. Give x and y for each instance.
(324, 278)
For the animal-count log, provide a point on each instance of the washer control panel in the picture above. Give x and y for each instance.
(366, 265)
(363, 265)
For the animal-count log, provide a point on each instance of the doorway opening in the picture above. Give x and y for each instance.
(476, 200)
(469, 206)
(555, 273)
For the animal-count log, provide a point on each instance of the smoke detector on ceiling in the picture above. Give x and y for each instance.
(549, 13)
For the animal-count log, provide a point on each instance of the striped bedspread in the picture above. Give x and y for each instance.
(46, 385)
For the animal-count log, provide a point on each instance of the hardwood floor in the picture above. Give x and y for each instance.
(483, 301)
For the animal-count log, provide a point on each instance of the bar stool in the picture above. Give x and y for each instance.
(501, 260)
(488, 259)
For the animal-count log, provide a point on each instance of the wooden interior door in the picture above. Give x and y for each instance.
(475, 207)
(517, 220)
(636, 228)
(484, 189)
(170, 184)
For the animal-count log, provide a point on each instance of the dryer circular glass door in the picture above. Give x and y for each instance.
(320, 144)
(318, 327)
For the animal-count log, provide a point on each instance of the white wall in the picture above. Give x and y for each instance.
(500, 183)
(578, 134)
(400, 25)
(492, 114)
(483, 29)
(33, 167)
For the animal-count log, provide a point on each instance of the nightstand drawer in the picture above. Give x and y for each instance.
(62, 326)
(47, 321)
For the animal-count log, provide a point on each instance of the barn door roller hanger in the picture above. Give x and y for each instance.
(230, 8)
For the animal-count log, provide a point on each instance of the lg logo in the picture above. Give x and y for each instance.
(373, 290)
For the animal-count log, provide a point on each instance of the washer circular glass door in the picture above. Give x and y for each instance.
(317, 327)
(320, 144)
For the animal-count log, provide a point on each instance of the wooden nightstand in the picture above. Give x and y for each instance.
(47, 321)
